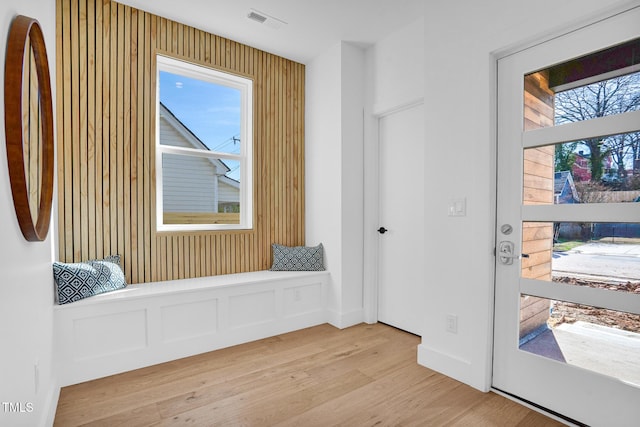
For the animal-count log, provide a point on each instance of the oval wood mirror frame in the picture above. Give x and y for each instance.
(26, 39)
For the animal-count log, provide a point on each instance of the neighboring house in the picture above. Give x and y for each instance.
(581, 169)
(192, 184)
(228, 194)
(564, 188)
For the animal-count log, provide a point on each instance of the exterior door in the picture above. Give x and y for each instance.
(401, 246)
(567, 334)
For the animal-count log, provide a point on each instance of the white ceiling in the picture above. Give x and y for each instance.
(312, 25)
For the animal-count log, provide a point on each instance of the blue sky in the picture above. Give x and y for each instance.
(210, 111)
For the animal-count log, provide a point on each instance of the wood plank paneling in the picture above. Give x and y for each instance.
(106, 144)
(538, 188)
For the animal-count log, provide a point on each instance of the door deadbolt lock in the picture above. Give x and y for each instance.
(506, 229)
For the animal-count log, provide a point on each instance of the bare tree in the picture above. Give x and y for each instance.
(623, 146)
(604, 98)
(635, 152)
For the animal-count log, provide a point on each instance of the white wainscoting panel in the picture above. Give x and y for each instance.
(110, 334)
(252, 309)
(189, 320)
(143, 325)
(302, 300)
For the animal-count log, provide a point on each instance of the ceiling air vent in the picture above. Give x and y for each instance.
(263, 18)
(257, 17)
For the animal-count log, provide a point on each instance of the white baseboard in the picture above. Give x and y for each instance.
(345, 320)
(51, 405)
(446, 364)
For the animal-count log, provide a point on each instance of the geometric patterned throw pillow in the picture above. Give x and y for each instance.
(297, 258)
(76, 281)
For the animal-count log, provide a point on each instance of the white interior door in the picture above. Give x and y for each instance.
(577, 367)
(401, 248)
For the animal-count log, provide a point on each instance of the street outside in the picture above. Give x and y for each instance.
(605, 261)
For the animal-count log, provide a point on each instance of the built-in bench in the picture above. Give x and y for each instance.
(146, 324)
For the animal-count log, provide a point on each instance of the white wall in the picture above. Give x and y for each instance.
(397, 64)
(26, 284)
(352, 182)
(460, 105)
(322, 154)
(346, 88)
(334, 174)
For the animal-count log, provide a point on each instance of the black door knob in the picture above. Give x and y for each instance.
(382, 230)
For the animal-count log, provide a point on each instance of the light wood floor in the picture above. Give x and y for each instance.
(365, 375)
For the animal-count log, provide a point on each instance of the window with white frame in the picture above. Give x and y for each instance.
(203, 148)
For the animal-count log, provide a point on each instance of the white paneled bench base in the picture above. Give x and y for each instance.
(146, 324)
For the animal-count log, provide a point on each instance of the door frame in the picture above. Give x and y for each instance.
(496, 56)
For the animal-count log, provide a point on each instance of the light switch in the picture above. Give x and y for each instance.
(458, 207)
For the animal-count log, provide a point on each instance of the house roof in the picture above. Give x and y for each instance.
(559, 181)
(189, 136)
(563, 179)
(230, 181)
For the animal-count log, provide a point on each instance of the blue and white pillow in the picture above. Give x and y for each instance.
(76, 281)
(297, 258)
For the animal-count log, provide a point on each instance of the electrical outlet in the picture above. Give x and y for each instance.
(452, 323)
(296, 295)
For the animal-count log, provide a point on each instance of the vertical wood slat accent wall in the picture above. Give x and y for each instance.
(105, 105)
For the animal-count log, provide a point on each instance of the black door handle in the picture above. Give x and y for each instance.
(382, 230)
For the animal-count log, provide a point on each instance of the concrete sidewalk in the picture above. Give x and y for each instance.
(608, 351)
